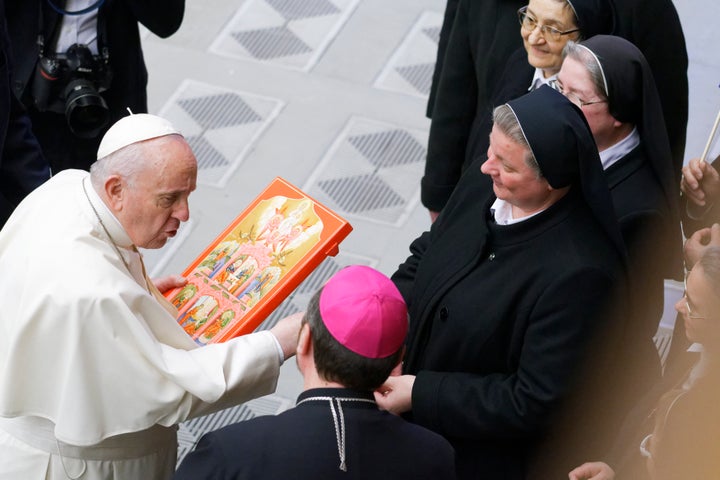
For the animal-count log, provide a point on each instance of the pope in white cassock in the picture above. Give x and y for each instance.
(95, 373)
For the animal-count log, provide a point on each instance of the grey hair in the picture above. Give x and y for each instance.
(126, 162)
(587, 59)
(710, 264)
(506, 121)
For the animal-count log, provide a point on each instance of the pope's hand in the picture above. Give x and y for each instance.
(165, 284)
(286, 331)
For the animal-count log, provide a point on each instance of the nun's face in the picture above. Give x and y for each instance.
(698, 309)
(576, 84)
(513, 179)
(544, 52)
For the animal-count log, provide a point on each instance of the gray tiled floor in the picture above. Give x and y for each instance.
(330, 95)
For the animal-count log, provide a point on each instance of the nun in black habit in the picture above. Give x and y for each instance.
(609, 78)
(465, 97)
(508, 289)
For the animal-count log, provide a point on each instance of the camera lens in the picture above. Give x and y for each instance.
(85, 110)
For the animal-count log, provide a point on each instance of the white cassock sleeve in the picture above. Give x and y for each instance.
(101, 367)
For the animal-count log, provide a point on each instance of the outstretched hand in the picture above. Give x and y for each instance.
(592, 471)
(286, 331)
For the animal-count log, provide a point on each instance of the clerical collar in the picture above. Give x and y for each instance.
(502, 212)
(106, 217)
(612, 154)
(539, 80)
(334, 392)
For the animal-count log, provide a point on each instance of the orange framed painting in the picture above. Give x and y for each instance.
(256, 262)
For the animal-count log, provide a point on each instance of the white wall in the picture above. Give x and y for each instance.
(699, 21)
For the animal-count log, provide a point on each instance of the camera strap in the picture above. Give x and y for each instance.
(101, 27)
(83, 11)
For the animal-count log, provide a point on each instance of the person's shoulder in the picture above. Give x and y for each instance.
(61, 180)
(515, 79)
(420, 440)
(636, 191)
(430, 438)
(417, 435)
(581, 246)
(69, 174)
(517, 66)
(251, 431)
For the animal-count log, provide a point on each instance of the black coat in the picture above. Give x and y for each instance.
(448, 19)
(483, 34)
(22, 166)
(642, 214)
(500, 317)
(128, 86)
(643, 221)
(301, 444)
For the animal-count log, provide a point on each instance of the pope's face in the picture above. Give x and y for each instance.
(513, 179)
(544, 52)
(155, 202)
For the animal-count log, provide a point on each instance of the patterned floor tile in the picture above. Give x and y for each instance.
(410, 68)
(289, 33)
(372, 171)
(221, 125)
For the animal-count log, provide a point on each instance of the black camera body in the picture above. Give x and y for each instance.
(71, 83)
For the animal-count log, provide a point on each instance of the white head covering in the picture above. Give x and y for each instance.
(132, 129)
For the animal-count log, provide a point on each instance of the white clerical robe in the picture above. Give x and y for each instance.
(89, 358)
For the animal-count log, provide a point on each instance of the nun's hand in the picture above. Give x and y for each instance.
(592, 471)
(700, 182)
(698, 242)
(395, 395)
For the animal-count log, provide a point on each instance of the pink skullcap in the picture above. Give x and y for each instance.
(364, 311)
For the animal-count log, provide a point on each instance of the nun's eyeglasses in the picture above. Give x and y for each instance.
(529, 23)
(571, 96)
(687, 304)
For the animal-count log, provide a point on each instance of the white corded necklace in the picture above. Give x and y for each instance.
(339, 425)
(149, 286)
(112, 240)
